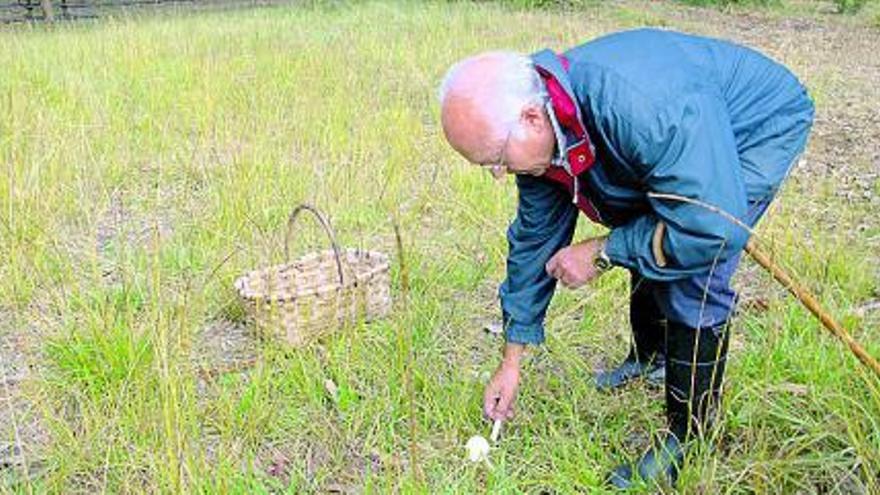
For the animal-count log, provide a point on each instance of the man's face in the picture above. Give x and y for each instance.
(528, 149)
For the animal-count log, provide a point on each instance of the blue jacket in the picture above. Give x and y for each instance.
(667, 113)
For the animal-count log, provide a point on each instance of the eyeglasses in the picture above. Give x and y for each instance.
(498, 168)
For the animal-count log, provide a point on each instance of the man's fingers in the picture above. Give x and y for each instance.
(494, 412)
(503, 406)
(555, 270)
(551, 266)
(490, 398)
(562, 275)
(489, 404)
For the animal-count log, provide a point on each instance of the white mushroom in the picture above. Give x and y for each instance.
(478, 448)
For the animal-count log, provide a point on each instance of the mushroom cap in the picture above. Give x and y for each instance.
(478, 448)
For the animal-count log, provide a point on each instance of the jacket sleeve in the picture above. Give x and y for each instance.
(689, 150)
(544, 223)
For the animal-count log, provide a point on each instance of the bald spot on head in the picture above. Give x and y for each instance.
(464, 123)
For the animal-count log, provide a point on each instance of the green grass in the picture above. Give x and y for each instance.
(182, 143)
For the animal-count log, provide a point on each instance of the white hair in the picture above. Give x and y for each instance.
(501, 94)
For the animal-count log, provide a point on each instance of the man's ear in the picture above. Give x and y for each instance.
(533, 117)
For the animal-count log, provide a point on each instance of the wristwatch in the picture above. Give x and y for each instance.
(602, 262)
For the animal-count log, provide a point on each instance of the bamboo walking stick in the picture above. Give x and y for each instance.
(810, 302)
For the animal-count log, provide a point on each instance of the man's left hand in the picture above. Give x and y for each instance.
(573, 265)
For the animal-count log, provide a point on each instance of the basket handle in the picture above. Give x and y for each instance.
(324, 223)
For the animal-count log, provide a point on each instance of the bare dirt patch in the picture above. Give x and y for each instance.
(224, 346)
(23, 435)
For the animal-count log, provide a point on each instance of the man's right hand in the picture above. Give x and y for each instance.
(501, 390)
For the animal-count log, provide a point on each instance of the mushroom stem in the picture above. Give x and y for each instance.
(496, 430)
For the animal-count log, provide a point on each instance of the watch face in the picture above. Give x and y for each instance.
(602, 263)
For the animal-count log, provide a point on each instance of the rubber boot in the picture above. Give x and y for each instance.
(694, 372)
(646, 354)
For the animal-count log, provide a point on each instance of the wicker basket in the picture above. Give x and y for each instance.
(319, 293)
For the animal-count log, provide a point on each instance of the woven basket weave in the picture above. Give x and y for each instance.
(318, 293)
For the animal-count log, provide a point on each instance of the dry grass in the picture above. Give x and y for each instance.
(150, 161)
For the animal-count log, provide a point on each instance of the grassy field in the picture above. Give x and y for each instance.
(147, 163)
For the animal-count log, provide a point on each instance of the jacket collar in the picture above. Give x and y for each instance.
(575, 152)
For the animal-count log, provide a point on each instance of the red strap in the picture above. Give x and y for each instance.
(580, 157)
(584, 204)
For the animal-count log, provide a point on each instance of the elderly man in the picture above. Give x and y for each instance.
(614, 129)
